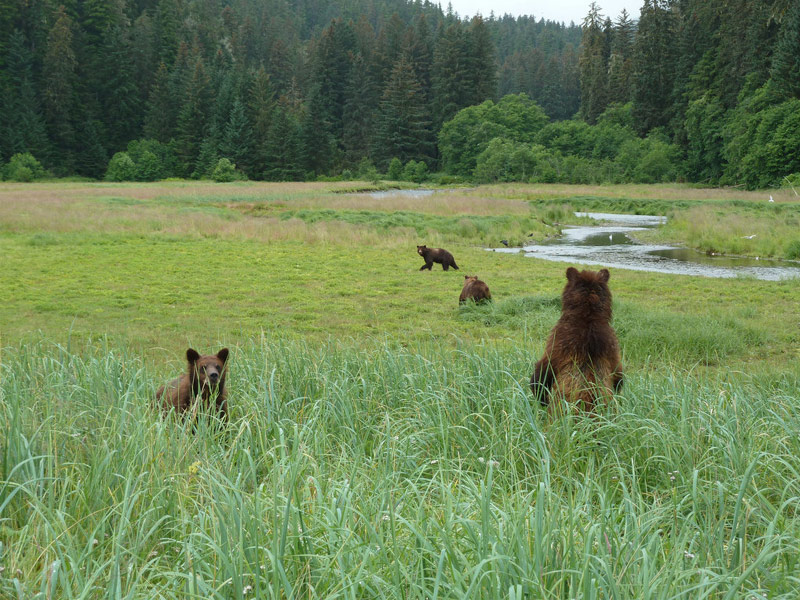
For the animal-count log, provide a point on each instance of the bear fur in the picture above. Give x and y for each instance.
(436, 255)
(474, 289)
(581, 362)
(202, 384)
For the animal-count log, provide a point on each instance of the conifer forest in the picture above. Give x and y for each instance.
(704, 91)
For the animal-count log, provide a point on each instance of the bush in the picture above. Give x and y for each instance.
(23, 167)
(225, 171)
(395, 171)
(121, 168)
(415, 171)
(366, 170)
(153, 159)
(504, 160)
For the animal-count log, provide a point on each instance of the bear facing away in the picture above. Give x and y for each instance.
(202, 384)
(436, 255)
(474, 289)
(581, 362)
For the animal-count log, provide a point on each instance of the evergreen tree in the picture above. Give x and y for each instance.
(403, 127)
(261, 106)
(159, 123)
(450, 77)
(654, 66)
(283, 148)
(480, 62)
(359, 112)
(237, 140)
(59, 79)
(593, 66)
(620, 63)
(785, 70)
(193, 118)
(22, 127)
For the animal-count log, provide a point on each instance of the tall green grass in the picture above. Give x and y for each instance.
(388, 470)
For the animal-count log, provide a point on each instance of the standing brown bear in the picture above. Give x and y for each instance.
(436, 255)
(203, 383)
(581, 361)
(474, 289)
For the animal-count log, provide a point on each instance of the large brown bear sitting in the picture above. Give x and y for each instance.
(436, 255)
(474, 289)
(581, 362)
(203, 383)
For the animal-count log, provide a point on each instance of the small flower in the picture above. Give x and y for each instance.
(94, 542)
(2, 569)
(434, 461)
(483, 448)
(688, 554)
(195, 467)
(385, 518)
(494, 463)
(247, 589)
(153, 554)
(481, 459)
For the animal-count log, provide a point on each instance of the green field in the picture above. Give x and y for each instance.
(383, 442)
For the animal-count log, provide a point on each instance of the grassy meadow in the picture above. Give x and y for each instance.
(383, 442)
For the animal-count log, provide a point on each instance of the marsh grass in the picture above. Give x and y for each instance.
(392, 472)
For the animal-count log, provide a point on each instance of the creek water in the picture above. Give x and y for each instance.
(612, 243)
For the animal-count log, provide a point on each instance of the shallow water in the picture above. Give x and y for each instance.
(401, 193)
(612, 244)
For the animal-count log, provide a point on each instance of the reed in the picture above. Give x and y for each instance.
(392, 472)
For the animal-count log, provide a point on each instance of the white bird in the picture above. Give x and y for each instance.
(770, 198)
(748, 237)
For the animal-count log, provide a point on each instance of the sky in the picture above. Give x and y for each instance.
(552, 10)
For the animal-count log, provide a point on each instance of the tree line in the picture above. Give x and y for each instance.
(700, 90)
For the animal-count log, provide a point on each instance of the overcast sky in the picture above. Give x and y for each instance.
(553, 10)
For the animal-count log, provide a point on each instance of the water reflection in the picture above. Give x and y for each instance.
(614, 244)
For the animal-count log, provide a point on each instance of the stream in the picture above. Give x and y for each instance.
(611, 244)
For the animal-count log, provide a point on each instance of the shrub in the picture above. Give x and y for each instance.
(415, 171)
(23, 166)
(793, 250)
(395, 171)
(121, 168)
(153, 159)
(225, 171)
(366, 170)
(505, 160)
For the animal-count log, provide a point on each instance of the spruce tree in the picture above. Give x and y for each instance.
(785, 70)
(193, 118)
(22, 127)
(593, 66)
(450, 77)
(403, 129)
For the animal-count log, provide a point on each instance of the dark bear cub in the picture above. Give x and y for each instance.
(436, 255)
(581, 362)
(202, 384)
(474, 289)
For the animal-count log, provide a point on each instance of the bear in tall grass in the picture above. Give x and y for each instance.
(474, 289)
(202, 385)
(581, 362)
(436, 255)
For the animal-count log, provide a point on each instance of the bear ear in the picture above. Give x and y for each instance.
(466, 276)
(572, 274)
(223, 355)
(604, 275)
(192, 355)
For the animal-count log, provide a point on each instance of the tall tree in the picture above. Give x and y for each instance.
(620, 63)
(654, 66)
(59, 79)
(593, 66)
(403, 129)
(22, 127)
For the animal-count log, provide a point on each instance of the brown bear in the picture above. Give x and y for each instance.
(581, 362)
(436, 255)
(474, 289)
(203, 383)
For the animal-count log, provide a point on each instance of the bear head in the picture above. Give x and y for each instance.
(421, 250)
(209, 370)
(587, 292)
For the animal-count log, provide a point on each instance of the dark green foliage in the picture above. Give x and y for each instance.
(403, 127)
(364, 80)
